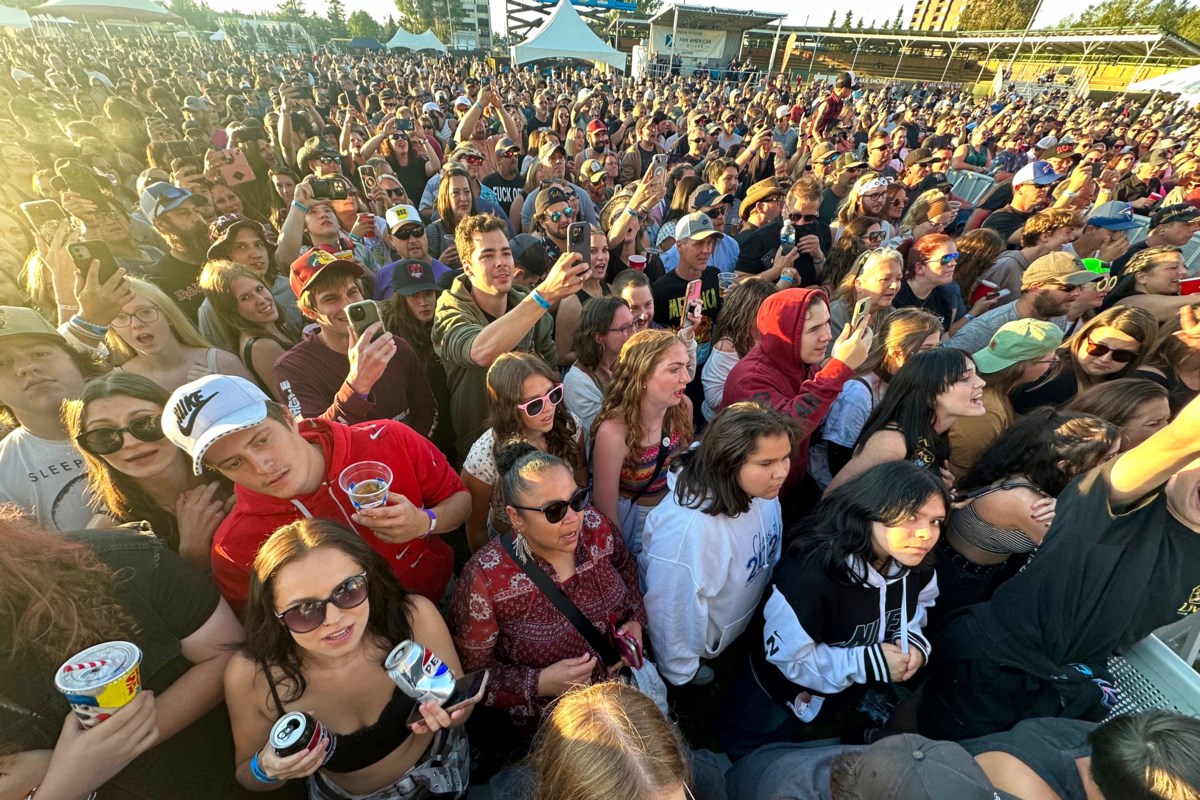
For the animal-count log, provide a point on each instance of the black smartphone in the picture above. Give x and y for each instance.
(579, 240)
(485, 82)
(329, 189)
(468, 689)
(180, 148)
(1097, 169)
(404, 125)
(363, 315)
(43, 215)
(85, 252)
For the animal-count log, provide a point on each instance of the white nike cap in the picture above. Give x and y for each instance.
(201, 412)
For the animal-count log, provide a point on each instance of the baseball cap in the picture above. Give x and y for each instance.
(225, 228)
(399, 216)
(850, 161)
(161, 197)
(1019, 340)
(920, 155)
(1179, 212)
(706, 195)
(696, 225)
(911, 767)
(548, 197)
(195, 103)
(312, 263)
(596, 126)
(411, 276)
(592, 171)
(1114, 216)
(1058, 266)
(201, 412)
(431, 106)
(549, 149)
(530, 253)
(21, 321)
(824, 151)
(1158, 158)
(1062, 149)
(783, 111)
(462, 100)
(1039, 172)
(465, 151)
(504, 143)
(846, 81)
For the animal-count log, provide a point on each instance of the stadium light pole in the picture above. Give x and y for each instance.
(1028, 26)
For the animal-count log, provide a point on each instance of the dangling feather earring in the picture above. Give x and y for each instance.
(521, 548)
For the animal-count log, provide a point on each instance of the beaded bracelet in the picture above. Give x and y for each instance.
(84, 325)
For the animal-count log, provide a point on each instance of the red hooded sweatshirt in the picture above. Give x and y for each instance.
(419, 472)
(773, 372)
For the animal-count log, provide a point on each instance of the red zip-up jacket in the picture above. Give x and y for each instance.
(419, 472)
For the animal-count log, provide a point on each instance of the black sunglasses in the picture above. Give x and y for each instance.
(556, 510)
(803, 219)
(309, 615)
(408, 232)
(106, 441)
(1100, 350)
(714, 213)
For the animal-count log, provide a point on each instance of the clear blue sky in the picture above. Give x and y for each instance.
(880, 10)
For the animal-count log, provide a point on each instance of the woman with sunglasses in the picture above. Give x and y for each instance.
(152, 338)
(929, 283)
(605, 324)
(65, 592)
(931, 392)
(412, 160)
(504, 623)
(143, 476)
(525, 403)
(644, 419)
(875, 275)
(455, 202)
(860, 235)
(710, 546)
(323, 614)
(895, 199)
(1110, 345)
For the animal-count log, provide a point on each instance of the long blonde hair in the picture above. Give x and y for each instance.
(607, 741)
(623, 400)
(182, 328)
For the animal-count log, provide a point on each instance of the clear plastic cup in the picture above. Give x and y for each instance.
(725, 281)
(366, 483)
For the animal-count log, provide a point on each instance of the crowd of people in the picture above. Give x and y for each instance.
(685, 388)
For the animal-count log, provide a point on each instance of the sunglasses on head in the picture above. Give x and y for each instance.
(556, 216)
(1100, 350)
(556, 510)
(803, 219)
(309, 615)
(534, 407)
(106, 441)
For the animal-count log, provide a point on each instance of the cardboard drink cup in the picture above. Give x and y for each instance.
(366, 483)
(100, 680)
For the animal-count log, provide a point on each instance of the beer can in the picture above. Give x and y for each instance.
(419, 673)
(100, 680)
(298, 732)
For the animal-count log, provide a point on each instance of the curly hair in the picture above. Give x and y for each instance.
(57, 595)
(622, 403)
(268, 641)
(846, 251)
(738, 321)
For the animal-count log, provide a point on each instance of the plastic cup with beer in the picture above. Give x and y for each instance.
(366, 483)
(725, 281)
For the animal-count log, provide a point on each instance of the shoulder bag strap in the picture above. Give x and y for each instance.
(563, 603)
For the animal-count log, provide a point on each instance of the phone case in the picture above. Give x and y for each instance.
(629, 648)
(238, 170)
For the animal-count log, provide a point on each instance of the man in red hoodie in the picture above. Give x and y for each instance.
(784, 371)
(285, 470)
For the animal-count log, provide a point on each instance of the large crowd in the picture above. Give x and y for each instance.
(703, 410)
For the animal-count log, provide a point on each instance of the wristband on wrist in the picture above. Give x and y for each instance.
(300, 206)
(432, 522)
(541, 301)
(787, 278)
(968, 316)
(257, 771)
(83, 324)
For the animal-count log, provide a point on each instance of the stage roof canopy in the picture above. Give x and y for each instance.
(713, 18)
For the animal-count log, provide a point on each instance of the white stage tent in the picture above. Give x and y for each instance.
(14, 18)
(133, 10)
(1184, 82)
(411, 41)
(564, 34)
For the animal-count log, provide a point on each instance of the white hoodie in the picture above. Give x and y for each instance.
(704, 576)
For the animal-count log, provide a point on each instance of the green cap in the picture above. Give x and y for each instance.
(1016, 341)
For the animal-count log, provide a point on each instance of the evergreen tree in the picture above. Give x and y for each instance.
(833, 19)
(848, 20)
(898, 23)
(337, 19)
(363, 24)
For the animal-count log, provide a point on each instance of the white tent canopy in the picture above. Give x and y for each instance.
(13, 18)
(1184, 82)
(411, 41)
(564, 34)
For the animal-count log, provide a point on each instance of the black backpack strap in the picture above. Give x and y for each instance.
(548, 587)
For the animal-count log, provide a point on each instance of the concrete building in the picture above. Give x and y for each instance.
(937, 15)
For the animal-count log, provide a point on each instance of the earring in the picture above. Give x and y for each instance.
(521, 548)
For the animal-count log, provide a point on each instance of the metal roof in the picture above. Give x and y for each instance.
(713, 18)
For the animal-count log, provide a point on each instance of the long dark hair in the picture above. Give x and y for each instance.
(1047, 446)
(398, 319)
(911, 402)
(707, 475)
(268, 641)
(839, 531)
